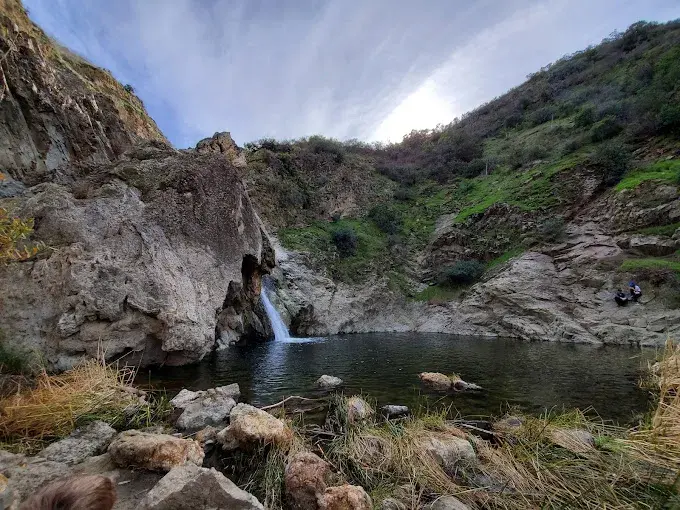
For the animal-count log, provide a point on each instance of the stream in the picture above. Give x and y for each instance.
(385, 366)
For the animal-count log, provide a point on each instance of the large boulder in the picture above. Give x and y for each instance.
(436, 381)
(200, 489)
(250, 426)
(82, 443)
(345, 497)
(23, 479)
(306, 480)
(155, 452)
(200, 409)
(328, 382)
(155, 257)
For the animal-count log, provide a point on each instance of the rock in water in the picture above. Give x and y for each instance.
(345, 497)
(186, 397)
(80, 444)
(436, 381)
(306, 477)
(358, 410)
(155, 452)
(328, 382)
(392, 410)
(192, 487)
(447, 503)
(249, 426)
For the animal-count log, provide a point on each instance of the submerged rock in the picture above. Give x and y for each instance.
(393, 410)
(345, 497)
(328, 382)
(198, 488)
(306, 480)
(249, 426)
(155, 452)
(82, 443)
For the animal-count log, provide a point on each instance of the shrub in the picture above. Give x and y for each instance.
(129, 88)
(585, 117)
(552, 229)
(404, 194)
(386, 218)
(670, 117)
(607, 128)
(13, 232)
(319, 145)
(613, 160)
(345, 241)
(463, 272)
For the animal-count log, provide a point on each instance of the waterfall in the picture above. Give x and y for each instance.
(280, 330)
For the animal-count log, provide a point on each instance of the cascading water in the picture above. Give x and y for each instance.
(280, 330)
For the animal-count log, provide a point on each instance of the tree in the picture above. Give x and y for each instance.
(345, 240)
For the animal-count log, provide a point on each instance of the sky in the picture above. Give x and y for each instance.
(367, 69)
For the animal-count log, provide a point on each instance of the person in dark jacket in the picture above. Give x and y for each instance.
(621, 298)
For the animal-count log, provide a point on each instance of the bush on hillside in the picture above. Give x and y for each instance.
(404, 194)
(346, 241)
(129, 88)
(552, 229)
(613, 159)
(585, 117)
(386, 218)
(463, 272)
(607, 128)
(320, 144)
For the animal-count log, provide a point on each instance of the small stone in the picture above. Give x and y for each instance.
(449, 451)
(447, 503)
(358, 410)
(93, 439)
(200, 489)
(249, 425)
(436, 381)
(392, 504)
(393, 410)
(328, 382)
(155, 452)
(306, 480)
(345, 497)
(574, 440)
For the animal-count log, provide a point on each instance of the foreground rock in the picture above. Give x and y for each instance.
(24, 477)
(394, 410)
(82, 443)
(574, 440)
(448, 450)
(198, 488)
(358, 410)
(306, 480)
(155, 452)
(249, 426)
(200, 409)
(345, 497)
(328, 382)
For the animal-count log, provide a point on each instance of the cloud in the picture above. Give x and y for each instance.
(342, 68)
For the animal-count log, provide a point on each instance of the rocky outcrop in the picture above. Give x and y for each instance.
(142, 255)
(200, 488)
(57, 109)
(155, 452)
(250, 426)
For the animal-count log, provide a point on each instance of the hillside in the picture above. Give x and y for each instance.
(592, 139)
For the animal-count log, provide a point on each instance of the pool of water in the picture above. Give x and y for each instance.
(531, 376)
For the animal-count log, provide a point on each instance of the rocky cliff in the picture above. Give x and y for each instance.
(150, 253)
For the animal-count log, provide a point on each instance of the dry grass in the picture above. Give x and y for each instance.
(56, 404)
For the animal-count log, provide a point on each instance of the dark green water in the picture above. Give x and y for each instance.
(532, 376)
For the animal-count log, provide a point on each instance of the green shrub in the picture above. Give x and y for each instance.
(404, 194)
(607, 128)
(129, 88)
(345, 241)
(463, 272)
(552, 229)
(613, 160)
(319, 144)
(585, 117)
(386, 218)
(13, 361)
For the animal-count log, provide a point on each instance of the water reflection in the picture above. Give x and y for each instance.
(533, 376)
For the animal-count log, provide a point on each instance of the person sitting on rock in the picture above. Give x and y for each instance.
(635, 291)
(621, 298)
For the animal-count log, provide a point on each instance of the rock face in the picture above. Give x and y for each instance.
(155, 452)
(249, 426)
(200, 409)
(82, 443)
(200, 488)
(306, 480)
(345, 497)
(328, 382)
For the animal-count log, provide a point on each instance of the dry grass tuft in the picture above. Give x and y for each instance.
(55, 405)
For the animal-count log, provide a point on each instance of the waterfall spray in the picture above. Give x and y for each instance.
(280, 330)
